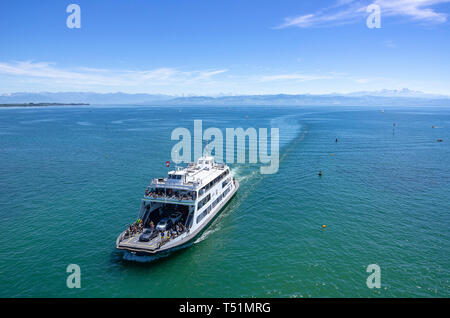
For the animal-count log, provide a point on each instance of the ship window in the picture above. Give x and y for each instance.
(225, 183)
(203, 201)
(201, 216)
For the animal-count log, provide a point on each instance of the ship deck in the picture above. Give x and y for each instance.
(134, 243)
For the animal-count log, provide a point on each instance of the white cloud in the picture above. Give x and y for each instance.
(103, 77)
(331, 76)
(44, 73)
(295, 76)
(416, 9)
(350, 11)
(42, 76)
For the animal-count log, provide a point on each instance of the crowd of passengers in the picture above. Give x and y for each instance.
(137, 227)
(176, 230)
(169, 194)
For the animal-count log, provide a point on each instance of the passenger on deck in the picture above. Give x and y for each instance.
(180, 228)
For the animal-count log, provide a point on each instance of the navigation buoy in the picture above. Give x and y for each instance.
(320, 173)
(167, 163)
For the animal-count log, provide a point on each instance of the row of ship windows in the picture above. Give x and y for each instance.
(213, 205)
(212, 183)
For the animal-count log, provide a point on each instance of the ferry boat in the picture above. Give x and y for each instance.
(176, 209)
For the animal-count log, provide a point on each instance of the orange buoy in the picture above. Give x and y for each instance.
(324, 226)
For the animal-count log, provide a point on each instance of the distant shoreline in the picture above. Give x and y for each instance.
(42, 104)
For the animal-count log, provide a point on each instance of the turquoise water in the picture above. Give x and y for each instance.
(71, 179)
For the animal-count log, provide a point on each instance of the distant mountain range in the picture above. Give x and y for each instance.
(81, 97)
(398, 93)
(404, 97)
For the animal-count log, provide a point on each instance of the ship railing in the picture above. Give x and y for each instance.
(187, 185)
(168, 197)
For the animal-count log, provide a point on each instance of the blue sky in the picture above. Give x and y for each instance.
(196, 47)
